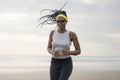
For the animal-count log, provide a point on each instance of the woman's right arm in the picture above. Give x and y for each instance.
(49, 48)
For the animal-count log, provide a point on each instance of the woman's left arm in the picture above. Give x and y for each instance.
(76, 44)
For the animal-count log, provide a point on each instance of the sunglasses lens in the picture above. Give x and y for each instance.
(60, 21)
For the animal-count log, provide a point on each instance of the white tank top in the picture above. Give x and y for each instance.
(60, 41)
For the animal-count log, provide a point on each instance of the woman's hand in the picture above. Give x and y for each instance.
(56, 53)
(65, 51)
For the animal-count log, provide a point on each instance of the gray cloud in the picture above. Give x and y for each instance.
(97, 17)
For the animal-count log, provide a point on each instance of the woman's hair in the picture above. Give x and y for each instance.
(51, 17)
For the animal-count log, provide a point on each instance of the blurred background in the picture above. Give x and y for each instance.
(96, 23)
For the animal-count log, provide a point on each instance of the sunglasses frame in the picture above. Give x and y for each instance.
(60, 21)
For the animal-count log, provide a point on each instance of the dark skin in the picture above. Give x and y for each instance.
(73, 38)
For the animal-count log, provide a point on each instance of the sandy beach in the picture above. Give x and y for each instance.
(76, 75)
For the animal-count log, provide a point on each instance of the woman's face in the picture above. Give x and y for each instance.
(61, 22)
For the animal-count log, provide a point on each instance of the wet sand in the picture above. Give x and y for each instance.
(76, 75)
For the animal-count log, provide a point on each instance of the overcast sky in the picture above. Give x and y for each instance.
(96, 23)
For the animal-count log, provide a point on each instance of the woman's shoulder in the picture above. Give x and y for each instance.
(72, 33)
(52, 31)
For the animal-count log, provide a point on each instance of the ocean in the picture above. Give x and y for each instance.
(20, 63)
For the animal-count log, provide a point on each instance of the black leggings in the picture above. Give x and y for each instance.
(61, 69)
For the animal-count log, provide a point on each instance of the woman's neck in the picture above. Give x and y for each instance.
(61, 30)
